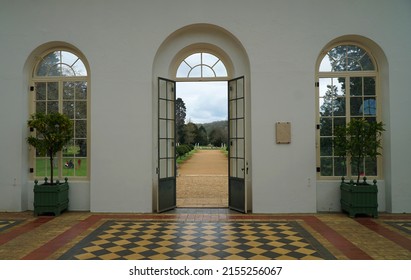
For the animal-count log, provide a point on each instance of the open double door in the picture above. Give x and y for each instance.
(166, 170)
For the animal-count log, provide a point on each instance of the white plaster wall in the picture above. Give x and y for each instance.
(120, 40)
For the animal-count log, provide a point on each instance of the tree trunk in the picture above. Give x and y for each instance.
(51, 167)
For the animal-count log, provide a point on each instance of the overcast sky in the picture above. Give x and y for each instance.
(205, 101)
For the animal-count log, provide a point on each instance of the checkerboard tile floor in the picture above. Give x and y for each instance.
(198, 240)
(204, 234)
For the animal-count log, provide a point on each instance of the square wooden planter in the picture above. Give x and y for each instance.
(51, 198)
(359, 199)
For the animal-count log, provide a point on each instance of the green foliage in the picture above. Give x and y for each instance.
(183, 149)
(52, 132)
(357, 140)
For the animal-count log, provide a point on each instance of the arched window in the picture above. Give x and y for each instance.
(201, 65)
(60, 84)
(347, 88)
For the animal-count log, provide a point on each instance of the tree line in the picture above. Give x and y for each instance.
(215, 133)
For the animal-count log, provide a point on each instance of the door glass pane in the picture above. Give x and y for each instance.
(162, 128)
(233, 128)
(170, 129)
(233, 167)
(240, 88)
(162, 89)
(170, 168)
(240, 128)
(170, 148)
(233, 109)
(240, 168)
(163, 168)
(162, 110)
(240, 150)
(170, 110)
(163, 148)
(240, 108)
(233, 148)
(232, 90)
(170, 91)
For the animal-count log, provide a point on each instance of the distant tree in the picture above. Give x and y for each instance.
(202, 138)
(218, 136)
(190, 133)
(180, 119)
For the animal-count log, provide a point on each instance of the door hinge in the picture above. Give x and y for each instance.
(157, 171)
(31, 88)
(317, 84)
(31, 170)
(318, 126)
(318, 169)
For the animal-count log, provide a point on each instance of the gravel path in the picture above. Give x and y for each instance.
(202, 180)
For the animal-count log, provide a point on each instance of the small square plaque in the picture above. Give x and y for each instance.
(283, 132)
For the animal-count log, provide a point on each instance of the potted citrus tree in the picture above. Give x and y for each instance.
(51, 133)
(358, 140)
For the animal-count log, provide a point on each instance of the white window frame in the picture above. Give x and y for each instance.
(346, 74)
(60, 80)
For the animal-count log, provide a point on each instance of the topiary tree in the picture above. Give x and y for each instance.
(358, 139)
(53, 132)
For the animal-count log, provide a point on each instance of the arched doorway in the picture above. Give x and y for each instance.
(213, 40)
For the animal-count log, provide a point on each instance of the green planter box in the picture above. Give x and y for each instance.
(361, 199)
(51, 198)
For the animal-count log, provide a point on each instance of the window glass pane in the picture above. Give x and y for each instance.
(366, 63)
(326, 127)
(194, 59)
(209, 59)
(195, 72)
(340, 167)
(183, 70)
(356, 86)
(52, 107)
(68, 91)
(370, 167)
(208, 72)
(41, 107)
(353, 65)
(201, 65)
(369, 86)
(52, 91)
(80, 129)
(326, 146)
(326, 166)
(61, 63)
(82, 144)
(66, 70)
(44, 67)
(220, 69)
(40, 91)
(369, 107)
(356, 106)
(346, 58)
(339, 107)
(325, 65)
(68, 109)
(81, 110)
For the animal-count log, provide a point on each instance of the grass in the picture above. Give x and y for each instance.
(185, 157)
(43, 168)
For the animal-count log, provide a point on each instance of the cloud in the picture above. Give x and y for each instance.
(205, 101)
